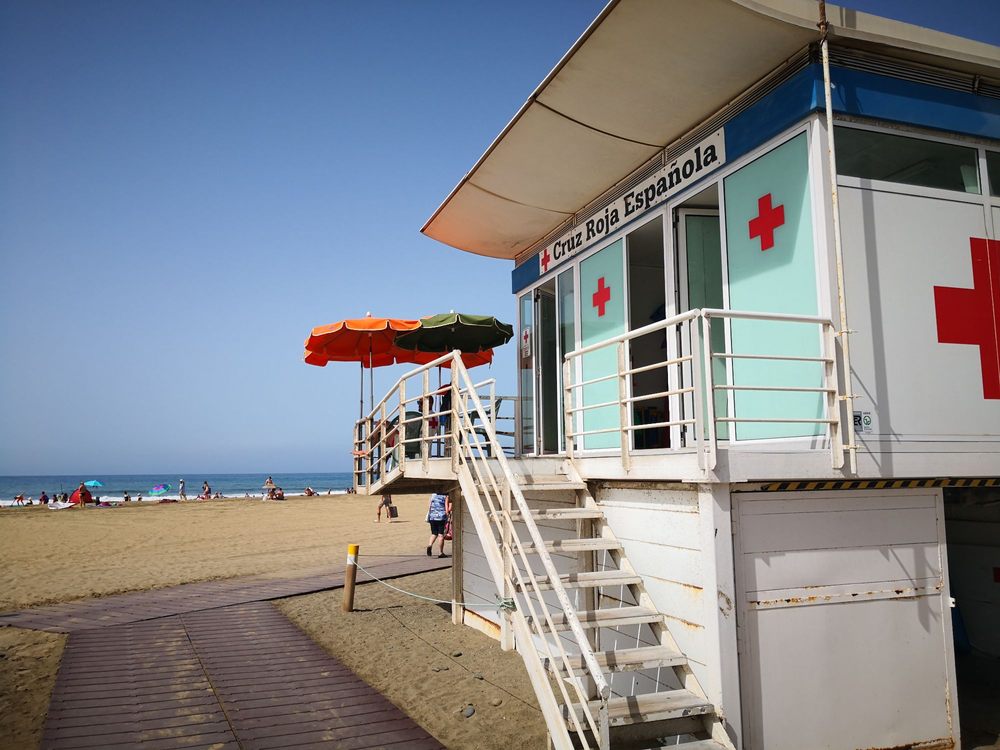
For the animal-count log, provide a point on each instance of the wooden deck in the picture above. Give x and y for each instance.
(140, 670)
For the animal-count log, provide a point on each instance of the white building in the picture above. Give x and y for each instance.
(759, 407)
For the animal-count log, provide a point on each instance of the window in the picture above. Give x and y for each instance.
(911, 161)
(993, 170)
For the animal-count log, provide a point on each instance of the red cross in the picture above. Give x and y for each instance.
(972, 316)
(768, 219)
(601, 297)
(545, 259)
(524, 336)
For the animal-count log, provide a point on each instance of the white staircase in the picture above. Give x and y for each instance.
(605, 669)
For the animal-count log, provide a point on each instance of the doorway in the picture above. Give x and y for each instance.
(698, 240)
(547, 372)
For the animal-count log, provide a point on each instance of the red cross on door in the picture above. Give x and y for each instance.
(545, 260)
(768, 219)
(972, 316)
(601, 297)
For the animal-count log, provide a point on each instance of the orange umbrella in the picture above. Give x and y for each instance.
(366, 340)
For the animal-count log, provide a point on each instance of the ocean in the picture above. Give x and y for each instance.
(230, 485)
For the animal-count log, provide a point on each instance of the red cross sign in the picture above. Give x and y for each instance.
(545, 260)
(972, 316)
(601, 297)
(768, 219)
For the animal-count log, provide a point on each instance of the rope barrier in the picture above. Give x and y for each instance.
(502, 604)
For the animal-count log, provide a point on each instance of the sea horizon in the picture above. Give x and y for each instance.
(229, 484)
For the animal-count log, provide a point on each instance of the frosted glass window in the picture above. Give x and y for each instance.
(911, 161)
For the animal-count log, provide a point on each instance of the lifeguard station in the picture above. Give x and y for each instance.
(757, 274)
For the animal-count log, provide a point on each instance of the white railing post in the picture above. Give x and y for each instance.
(382, 463)
(456, 361)
(425, 403)
(506, 551)
(706, 343)
(833, 410)
(623, 408)
(698, 395)
(568, 407)
(401, 429)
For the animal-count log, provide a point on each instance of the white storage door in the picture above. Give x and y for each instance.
(845, 630)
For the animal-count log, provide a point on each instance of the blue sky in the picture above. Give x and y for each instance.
(188, 187)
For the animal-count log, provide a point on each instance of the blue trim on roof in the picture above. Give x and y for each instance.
(525, 274)
(907, 102)
(856, 93)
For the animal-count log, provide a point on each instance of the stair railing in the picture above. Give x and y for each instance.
(492, 491)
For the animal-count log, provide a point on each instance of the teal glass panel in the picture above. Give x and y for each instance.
(602, 316)
(772, 268)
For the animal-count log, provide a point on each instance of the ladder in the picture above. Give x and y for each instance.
(605, 669)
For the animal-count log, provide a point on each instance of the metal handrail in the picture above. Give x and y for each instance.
(494, 452)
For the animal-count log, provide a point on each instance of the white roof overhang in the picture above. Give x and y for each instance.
(643, 74)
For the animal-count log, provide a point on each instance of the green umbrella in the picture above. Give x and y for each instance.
(448, 331)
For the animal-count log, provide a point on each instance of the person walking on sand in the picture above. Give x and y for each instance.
(183, 492)
(438, 513)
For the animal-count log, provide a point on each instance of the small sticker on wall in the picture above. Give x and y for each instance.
(863, 422)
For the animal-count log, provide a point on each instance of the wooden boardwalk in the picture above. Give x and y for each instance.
(238, 676)
(192, 597)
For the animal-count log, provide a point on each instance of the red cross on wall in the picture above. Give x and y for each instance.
(972, 316)
(768, 219)
(545, 260)
(601, 297)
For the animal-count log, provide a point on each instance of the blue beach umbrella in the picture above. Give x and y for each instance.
(93, 483)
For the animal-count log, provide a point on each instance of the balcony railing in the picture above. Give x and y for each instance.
(414, 423)
(720, 376)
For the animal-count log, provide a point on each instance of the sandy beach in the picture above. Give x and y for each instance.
(403, 646)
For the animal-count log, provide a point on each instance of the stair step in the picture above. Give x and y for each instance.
(607, 618)
(671, 704)
(625, 659)
(561, 514)
(576, 545)
(701, 745)
(591, 580)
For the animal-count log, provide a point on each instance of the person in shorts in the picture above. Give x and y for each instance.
(385, 502)
(438, 513)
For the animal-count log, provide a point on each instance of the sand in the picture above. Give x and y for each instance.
(393, 641)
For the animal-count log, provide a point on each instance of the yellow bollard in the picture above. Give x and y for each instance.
(350, 573)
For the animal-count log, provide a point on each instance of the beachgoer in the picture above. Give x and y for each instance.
(182, 492)
(85, 496)
(43, 498)
(309, 492)
(19, 499)
(138, 498)
(269, 483)
(279, 494)
(206, 491)
(438, 513)
(385, 502)
(126, 497)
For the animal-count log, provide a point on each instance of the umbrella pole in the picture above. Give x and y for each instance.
(371, 375)
(361, 399)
